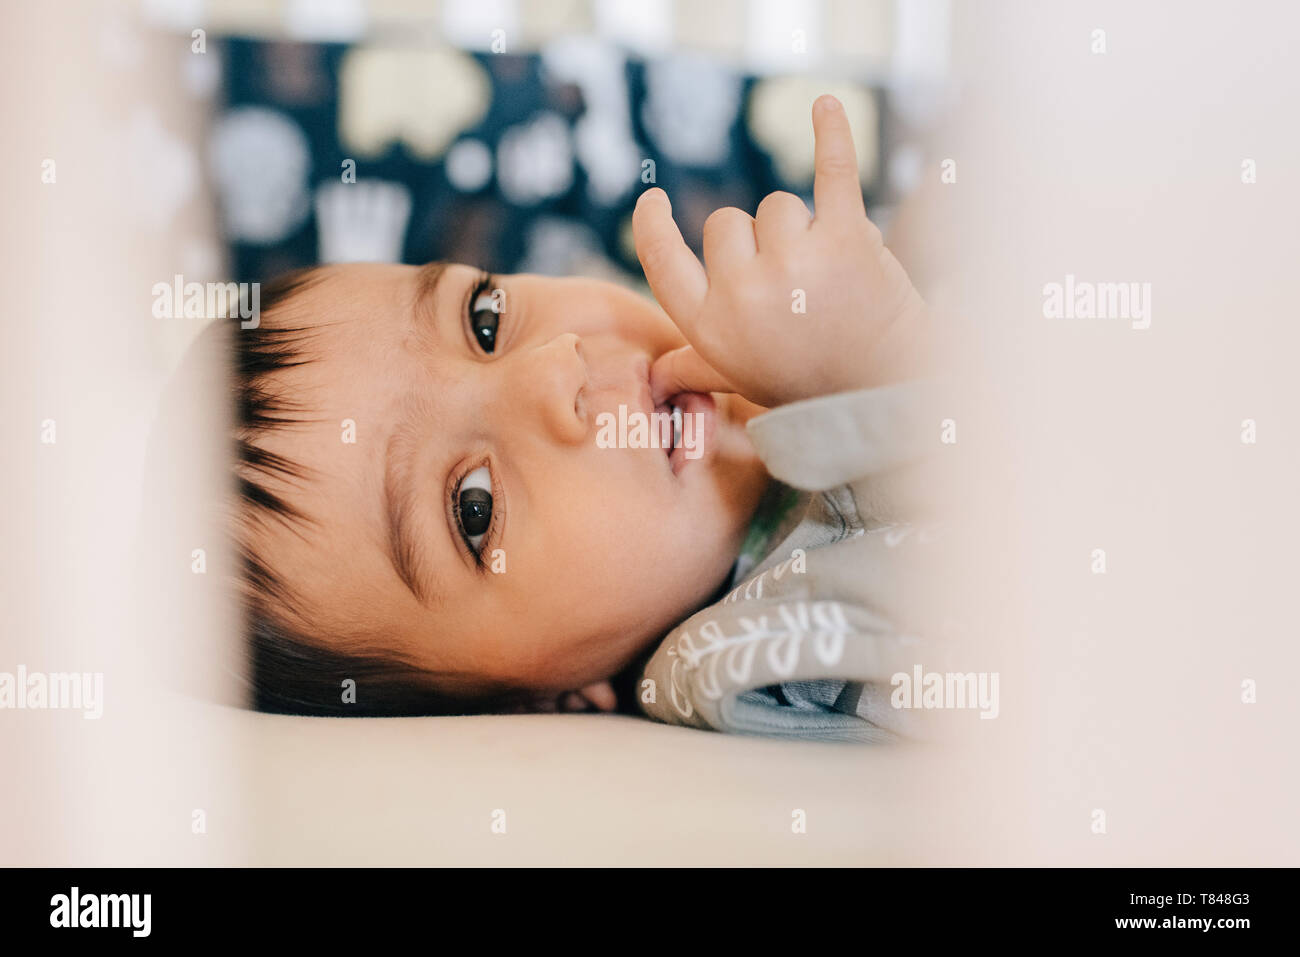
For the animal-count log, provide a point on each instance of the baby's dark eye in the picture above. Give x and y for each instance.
(474, 506)
(483, 318)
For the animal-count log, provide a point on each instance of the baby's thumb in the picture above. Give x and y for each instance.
(684, 370)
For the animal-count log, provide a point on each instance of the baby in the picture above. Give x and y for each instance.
(435, 515)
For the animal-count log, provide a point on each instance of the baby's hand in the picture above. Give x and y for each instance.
(791, 307)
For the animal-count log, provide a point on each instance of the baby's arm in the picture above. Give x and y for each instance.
(786, 307)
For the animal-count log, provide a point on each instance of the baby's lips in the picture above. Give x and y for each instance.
(698, 434)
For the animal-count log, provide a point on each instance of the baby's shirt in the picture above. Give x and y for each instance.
(822, 611)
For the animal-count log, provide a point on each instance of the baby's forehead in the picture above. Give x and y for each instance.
(340, 311)
(356, 331)
(339, 294)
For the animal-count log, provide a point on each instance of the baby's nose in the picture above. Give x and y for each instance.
(559, 379)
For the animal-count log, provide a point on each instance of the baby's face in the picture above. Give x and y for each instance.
(476, 526)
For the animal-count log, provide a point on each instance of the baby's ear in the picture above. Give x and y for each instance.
(601, 695)
(598, 697)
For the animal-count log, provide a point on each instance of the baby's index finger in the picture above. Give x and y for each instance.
(675, 276)
(837, 193)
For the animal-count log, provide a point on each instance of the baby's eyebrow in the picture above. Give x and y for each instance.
(399, 491)
(399, 508)
(426, 288)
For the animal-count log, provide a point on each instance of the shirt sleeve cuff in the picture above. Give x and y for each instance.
(832, 440)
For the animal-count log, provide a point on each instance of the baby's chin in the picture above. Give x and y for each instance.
(735, 446)
(741, 474)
